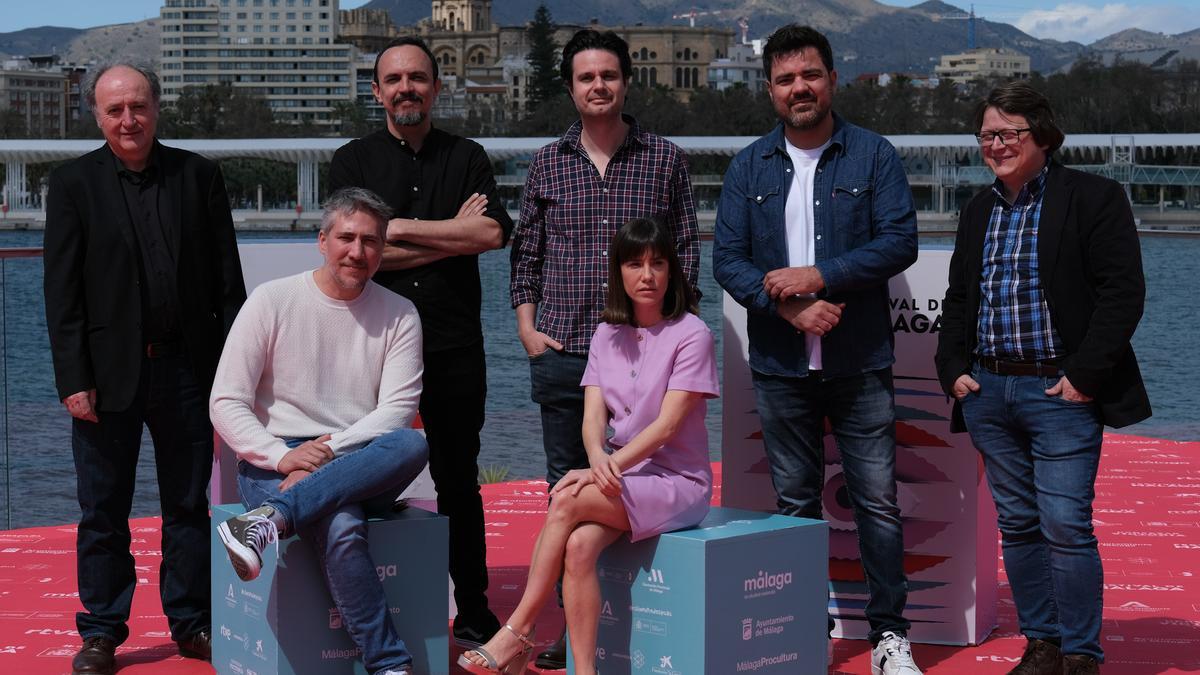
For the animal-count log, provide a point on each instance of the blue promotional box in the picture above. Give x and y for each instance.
(742, 592)
(284, 622)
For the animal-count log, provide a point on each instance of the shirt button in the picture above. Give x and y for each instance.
(855, 190)
(818, 202)
(414, 188)
(604, 221)
(818, 237)
(604, 285)
(604, 254)
(758, 198)
(416, 283)
(606, 190)
(787, 170)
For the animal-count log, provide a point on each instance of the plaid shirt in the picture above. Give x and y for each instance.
(569, 214)
(1014, 319)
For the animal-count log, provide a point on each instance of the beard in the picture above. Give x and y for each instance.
(808, 119)
(407, 119)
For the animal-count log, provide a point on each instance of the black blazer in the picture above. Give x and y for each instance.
(93, 304)
(1090, 265)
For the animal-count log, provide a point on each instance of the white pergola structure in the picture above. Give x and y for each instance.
(941, 162)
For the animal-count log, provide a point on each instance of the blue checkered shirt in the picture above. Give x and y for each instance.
(569, 215)
(1014, 319)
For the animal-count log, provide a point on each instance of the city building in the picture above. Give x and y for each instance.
(36, 91)
(742, 68)
(469, 47)
(983, 63)
(285, 51)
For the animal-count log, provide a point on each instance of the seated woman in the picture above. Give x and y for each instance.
(650, 366)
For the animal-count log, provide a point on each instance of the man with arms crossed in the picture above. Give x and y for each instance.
(1046, 290)
(605, 171)
(316, 392)
(142, 281)
(814, 218)
(443, 194)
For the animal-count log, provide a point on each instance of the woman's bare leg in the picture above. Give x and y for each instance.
(566, 512)
(581, 590)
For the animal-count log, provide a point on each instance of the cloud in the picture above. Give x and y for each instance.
(1088, 23)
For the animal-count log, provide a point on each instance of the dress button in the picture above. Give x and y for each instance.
(633, 373)
(639, 337)
(626, 410)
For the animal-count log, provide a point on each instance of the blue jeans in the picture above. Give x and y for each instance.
(329, 510)
(1041, 453)
(174, 406)
(554, 379)
(861, 410)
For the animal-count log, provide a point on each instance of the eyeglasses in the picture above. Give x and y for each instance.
(1006, 136)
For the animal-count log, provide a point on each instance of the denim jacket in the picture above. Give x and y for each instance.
(865, 232)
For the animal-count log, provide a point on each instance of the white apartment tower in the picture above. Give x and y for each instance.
(282, 50)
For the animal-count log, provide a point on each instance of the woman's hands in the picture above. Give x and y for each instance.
(606, 473)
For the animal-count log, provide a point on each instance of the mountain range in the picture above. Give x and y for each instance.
(867, 36)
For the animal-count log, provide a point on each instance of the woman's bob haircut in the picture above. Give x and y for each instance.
(632, 241)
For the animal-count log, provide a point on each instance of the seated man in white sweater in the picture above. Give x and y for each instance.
(316, 393)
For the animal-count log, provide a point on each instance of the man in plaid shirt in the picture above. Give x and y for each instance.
(604, 171)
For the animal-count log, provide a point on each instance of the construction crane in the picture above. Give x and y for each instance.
(691, 16)
(969, 18)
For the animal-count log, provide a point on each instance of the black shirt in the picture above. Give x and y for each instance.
(428, 185)
(156, 257)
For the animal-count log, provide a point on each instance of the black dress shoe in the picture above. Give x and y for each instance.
(555, 656)
(475, 629)
(198, 646)
(98, 656)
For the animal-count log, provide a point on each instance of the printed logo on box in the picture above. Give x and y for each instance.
(607, 618)
(747, 629)
(617, 574)
(664, 666)
(654, 582)
(765, 584)
(230, 598)
(650, 627)
(638, 659)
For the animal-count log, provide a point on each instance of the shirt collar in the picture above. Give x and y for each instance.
(571, 140)
(1033, 189)
(146, 175)
(777, 142)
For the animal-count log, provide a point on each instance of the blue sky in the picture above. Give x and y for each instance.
(1081, 20)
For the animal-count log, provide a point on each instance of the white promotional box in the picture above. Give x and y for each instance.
(285, 623)
(949, 519)
(742, 592)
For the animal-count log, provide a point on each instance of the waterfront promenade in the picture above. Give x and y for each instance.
(1147, 506)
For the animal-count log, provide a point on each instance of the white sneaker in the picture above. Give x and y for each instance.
(893, 656)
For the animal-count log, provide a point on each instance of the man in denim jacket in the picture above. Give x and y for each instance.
(814, 218)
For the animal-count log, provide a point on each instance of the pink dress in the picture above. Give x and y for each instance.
(634, 368)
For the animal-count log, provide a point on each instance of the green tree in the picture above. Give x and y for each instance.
(544, 82)
(12, 124)
(219, 111)
(352, 116)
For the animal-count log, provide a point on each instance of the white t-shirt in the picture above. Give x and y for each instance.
(798, 218)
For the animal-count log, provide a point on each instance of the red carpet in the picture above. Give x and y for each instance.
(1147, 518)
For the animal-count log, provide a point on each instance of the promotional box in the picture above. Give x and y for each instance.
(284, 622)
(742, 592)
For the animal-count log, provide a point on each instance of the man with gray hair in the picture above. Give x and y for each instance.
(142, 280)
(316, 393)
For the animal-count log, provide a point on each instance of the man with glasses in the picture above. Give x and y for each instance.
(1045, 292)
(814, 218)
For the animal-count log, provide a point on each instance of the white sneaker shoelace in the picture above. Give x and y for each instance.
(893, 656)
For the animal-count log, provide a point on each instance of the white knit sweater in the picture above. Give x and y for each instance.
(300, 364)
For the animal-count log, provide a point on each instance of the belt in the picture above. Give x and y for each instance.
(162, 350)
(1043, 368)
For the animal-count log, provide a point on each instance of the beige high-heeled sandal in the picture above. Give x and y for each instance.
(515, 666)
